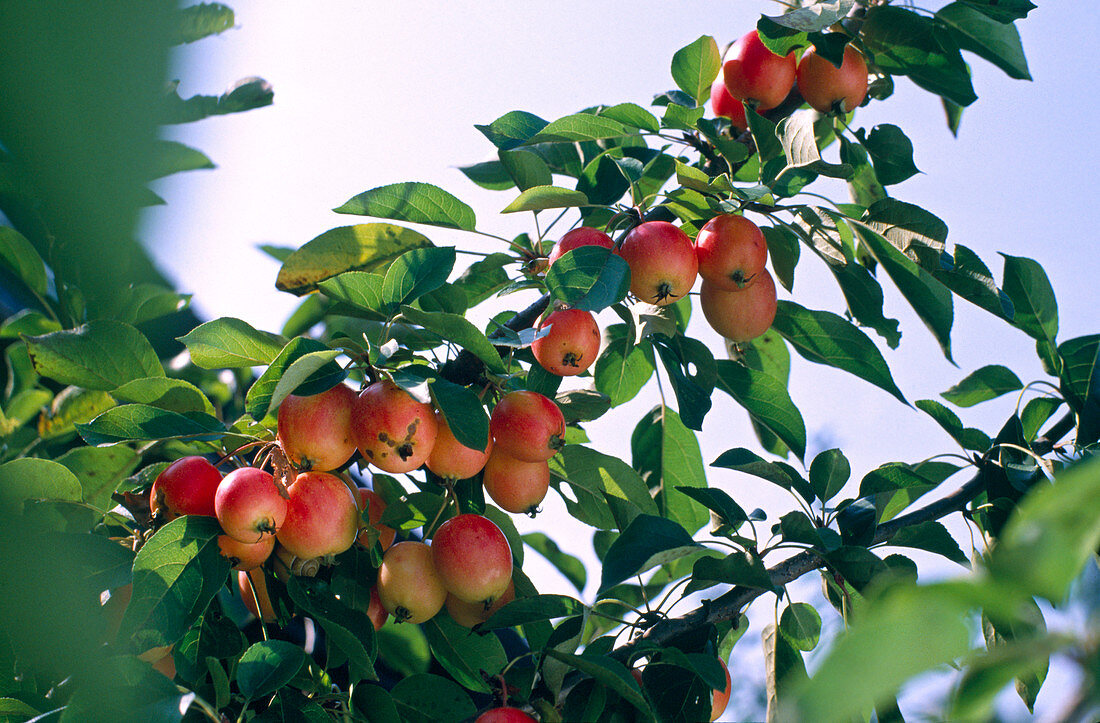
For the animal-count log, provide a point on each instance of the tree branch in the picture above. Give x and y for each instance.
(730, 604)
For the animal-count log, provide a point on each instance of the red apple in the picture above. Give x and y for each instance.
(315, 431)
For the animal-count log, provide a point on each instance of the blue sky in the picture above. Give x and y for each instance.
(369, 93)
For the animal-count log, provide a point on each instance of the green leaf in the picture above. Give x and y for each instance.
(829, 471)
(609, 672)
(876, 655)
(1052, 534)
(199, 21)
(622, 368)
(800, 624)
(579, 127)
(170, 157)
(1004, 11)
(427, 698)
(526, 168)
(966, 275)
(70, 407)
(177, 572)
(304, 366)
(631, 115)
(693, 373)
(490, 175)
(143, 302)
(363, 247)
(540, 198)
(99, 355)
(814, 18)
(360, 289)
(416, 273)
(926, 295)
(582, 405)
(29, 478)
(933, 537)
(466, 655)
(778, 473)
(512, 129)
(719, 502)
(589, 277)
(229, 342)
(737, 568)
(142, 422)
(967, 437)
(695, 67)
(346, 628)
(18, 256)
(856, 564)
(1036, 310)
(413, 203)
(527, 610)
(997, 42)
(607, 490)
(796, 134)
(245, 94)
(910, 228)
(1080, 384)
(767, 401)
(666, 454)
(893, 487)
(463, 411)
(483, 278)
(987, 383)
(825, 338)
(267, 666)
(647, 542)
(455, 328)
(904, 43)
(572, 568)
(100, 470)
(891, 153)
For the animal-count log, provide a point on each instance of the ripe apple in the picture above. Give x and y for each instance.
(259, 582)
(185, 487)
(394, 431)
(375, 506)
(740, 315)
(472, 557)
(470, 614)
(515, 485)
(375, 610)
(823, 85)
(721, 697)
(527, 426)
(450, 459)
(505, 714)
(246, 555)
(662, 262)
(580, 236)
(322, 517)
(408, 585)
(757, 75)
(572, 343)
(249, 504)
(724, 104)
(731, 251)
(315, 431)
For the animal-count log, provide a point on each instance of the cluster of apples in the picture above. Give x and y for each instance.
(737, 292)
(318, 515)
(753, 74)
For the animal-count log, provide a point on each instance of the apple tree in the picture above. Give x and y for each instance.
(332, 532)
